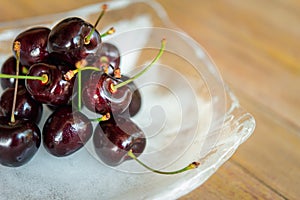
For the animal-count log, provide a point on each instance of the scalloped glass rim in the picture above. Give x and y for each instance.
(237, 124)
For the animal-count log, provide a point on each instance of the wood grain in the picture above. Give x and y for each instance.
(228, 184)
(255, 44)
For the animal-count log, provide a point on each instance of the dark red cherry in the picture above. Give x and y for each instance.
(99, 96)
(114, 138)
(59, 60)
(66, 131)
(104, 93)
(55, 91)
(108, 56)
(9, 67)
(91, 94)
(19, 141)
(136, 99)
(135, 104)
(33, 45)
(25, 107)
(68, 38)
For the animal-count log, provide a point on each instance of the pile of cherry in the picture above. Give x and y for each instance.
(65, 68)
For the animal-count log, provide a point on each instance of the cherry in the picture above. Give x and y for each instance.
(68, 38)
(135, 104)
(99, 96)
(115, 137)
(21, 138)
(75, 39)
(33, 45)
(120, 139)
(25, 107)
(58, 60)
(103, 93)
(53, 89)
(9, 67)
(66, 131)
(136, 99)
(109, 59)
(19, 141)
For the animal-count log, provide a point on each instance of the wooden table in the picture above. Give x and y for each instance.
(256, 45)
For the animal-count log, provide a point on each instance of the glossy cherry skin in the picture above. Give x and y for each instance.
(33, 45)
(68, 39)
(136, 99)
(19, 142)
(98, 96)
(114, 138)
(59, 60)
(26, 107)
(66, 131)
(108, 56)
(135, 104)
(9, 67)
(56, 91)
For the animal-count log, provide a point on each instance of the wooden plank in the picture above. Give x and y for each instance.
(263, 66)
(231, 182)
(250, 49)
(19, 9)
(272, 153)
(269, 159)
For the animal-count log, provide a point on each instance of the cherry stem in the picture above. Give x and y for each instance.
(117, 72)
(90, 68)
(24, 70)
(17, 49)
(79, 90)
(87, 39)
(71, 73)
(163, 45)
(105, 64)
(108, 32)
(43, 78)
(103, 118)
(192, 165)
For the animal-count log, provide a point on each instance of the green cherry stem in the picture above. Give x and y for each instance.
(90, 68)
(17, 49)
(87, 39)
(43, 78)
(108, 32)
(192, 165)
(71, 73)
(24, 70)
(101, 119)
(79, 90)
(162, 48)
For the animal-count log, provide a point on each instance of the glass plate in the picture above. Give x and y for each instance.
(188, 114)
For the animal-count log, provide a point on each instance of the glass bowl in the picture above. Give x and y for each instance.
(188, 114)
